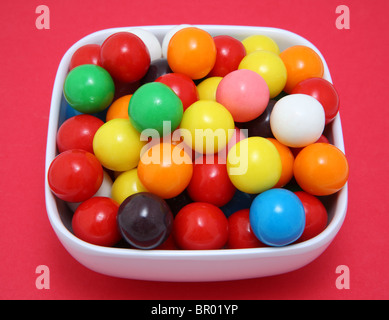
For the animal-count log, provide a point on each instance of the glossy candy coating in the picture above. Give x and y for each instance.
(297, 120)
(244, 93)
(287, 161)
(86, 54)
(277, 217)
(301, 63)
(75, 175)
(254, 165)
(95, 221)
(258, 42)
(324, 92)
(145, 220)
(152, 104)
(207, 88)
(119, 108)
(125, 56)
(210, 182)
(89, 88)
(200, 226)
(117, 145)
(191, 51)
(321, 169)
(126, 184)
(77, 133)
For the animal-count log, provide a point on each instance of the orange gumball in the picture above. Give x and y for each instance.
(191, 51)
(301, 63)
(321, 169)
(287, 160)
(165, 170)
(119, 108)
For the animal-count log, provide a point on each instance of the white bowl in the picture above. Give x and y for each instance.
(186, 265)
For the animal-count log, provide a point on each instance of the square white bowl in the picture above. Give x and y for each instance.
(190, 265)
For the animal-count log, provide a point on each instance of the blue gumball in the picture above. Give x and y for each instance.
(277, 217)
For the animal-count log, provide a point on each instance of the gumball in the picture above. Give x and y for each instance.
(87, 54)
(321, 169)
(207, 88)
(145, 220)
(268, 65)
(150, 40)
(240, 200)
(157, 69)
(75, 175)
(67, 112)
(125, 56)
(119, 108)
(95, 221)
(297, 120)
(240, 235)
(244, 93)
(192, 51)
(258, 42)
(254, 165)
(200, 226)
(324, 92)
(169, 35)
(177, 203)
(301, 63)
(183, 87)
(239, 135)
(287, 160)
(207, 126)
(117, 145)
(125, 88)
(126, 184)
(165, 170)
(78, 132)
(260, 126)
(316, 216)
(210, 182)
(229, 53)
(152, 104)
(277, 217)
(322, 139)
(89, 88)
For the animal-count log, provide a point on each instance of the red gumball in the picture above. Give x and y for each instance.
(125, 56)
(323, 91)
(77, 133)
(200, 226)
(210, 181)
(75, 175)
(95, 221)
(229, 53)
(316, 216)
(183, 86)
(87, 54)
(240, 234)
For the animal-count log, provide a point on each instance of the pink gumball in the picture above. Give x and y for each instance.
(244, 93)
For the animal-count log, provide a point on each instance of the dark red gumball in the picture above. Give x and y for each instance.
(95, 221)
(158, 68)
(77, 133)
(240, 234)
(125, 56)
(87, 54)
(75, 175)
(229, 53)
(323, 91)
(200, 226)
(316, 216)
(210, 181)
(183, 87)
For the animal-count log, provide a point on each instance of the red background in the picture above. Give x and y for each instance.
(29, 57)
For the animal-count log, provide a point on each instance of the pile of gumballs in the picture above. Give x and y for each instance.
(200, 142)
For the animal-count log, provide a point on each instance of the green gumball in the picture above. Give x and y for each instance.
(89, 88)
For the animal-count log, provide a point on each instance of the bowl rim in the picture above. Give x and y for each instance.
(64, 235)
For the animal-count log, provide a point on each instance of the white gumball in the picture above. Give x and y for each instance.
(169, 35)
(297, 120)
(150, 40)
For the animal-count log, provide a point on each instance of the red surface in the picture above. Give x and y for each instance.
(357, 59)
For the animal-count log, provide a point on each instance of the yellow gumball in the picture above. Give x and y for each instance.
(260, 42)
(207, 88)
(207, 126)
(126, 184)
(254, 165)
(270, 66)
(117, 145)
